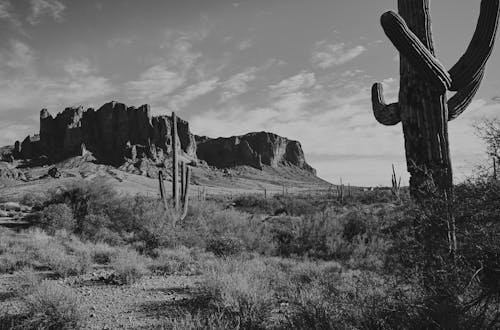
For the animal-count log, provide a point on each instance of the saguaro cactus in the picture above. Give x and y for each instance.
(185, 175)
(395, 184)
(175, 163)
(177, 198)
(423, 107)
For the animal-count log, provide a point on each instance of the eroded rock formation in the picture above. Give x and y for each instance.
(253, 149)
(111, 133)
(116, 134)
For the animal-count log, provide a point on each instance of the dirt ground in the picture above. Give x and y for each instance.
(146, 304)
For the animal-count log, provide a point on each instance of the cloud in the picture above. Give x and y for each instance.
(52, 8)
(154, 85)
(6, 12)
(245, 44)
(19, 56)
(300, 81)
(24, 91)
(79, 67)
(237, 84)
(193, 92)
(119, 42)
(328, 55)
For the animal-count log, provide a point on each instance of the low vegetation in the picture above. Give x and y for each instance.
(276, 263)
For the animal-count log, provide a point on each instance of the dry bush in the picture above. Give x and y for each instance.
(36, 249)
(181, 260)
(129, 266)
(56, 217)
(51, 306)
(274, 293)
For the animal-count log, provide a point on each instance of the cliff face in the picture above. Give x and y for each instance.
(111, 133)
(115, 133)
(254, 149)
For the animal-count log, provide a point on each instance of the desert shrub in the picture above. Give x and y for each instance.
(38, 250)
(34, 200)
(207, 220)
(181, 260)
(51, 306)
(273, 293)
(354, 226)
(375, 196)
(57, 216)
(257, 204)
(103, 253)
(224, 246)
(129, 266)
(299, 205)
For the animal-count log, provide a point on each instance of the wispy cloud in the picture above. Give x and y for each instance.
(154, 84)
(300, 81)
(26, 91)
(193, 92)
(78, 67)
(328, 55)
(40, 8)
(19, 56)
(237, 84)
(7, 13)
(244, 44)
(119, 42)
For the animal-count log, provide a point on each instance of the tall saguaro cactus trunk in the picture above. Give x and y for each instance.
(424, 111)
(423, 108)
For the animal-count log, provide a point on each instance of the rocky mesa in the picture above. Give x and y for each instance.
(115, 134)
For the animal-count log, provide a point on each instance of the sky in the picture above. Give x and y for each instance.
(300, 69)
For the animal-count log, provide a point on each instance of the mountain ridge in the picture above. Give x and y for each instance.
(116, 134)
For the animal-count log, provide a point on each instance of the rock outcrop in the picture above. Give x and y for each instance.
(112, 133)
(128, 136)
(253, 149)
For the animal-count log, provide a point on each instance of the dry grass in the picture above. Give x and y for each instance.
(51, 306)
(129, 266)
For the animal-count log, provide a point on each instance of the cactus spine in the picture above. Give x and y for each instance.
(423, 108)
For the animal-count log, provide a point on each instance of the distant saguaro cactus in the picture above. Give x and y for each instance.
(395, 184)
(185, 175)
(423, 107)
(183, 195)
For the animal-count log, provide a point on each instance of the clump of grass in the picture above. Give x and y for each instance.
(129, 266)
(51, 306)
(36, 249)
(275, 293)
(103, 253)
(181, 260)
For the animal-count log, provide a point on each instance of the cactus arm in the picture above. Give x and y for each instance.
(470, 65)
(386, 114)
(461, 100)
(408, 44)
